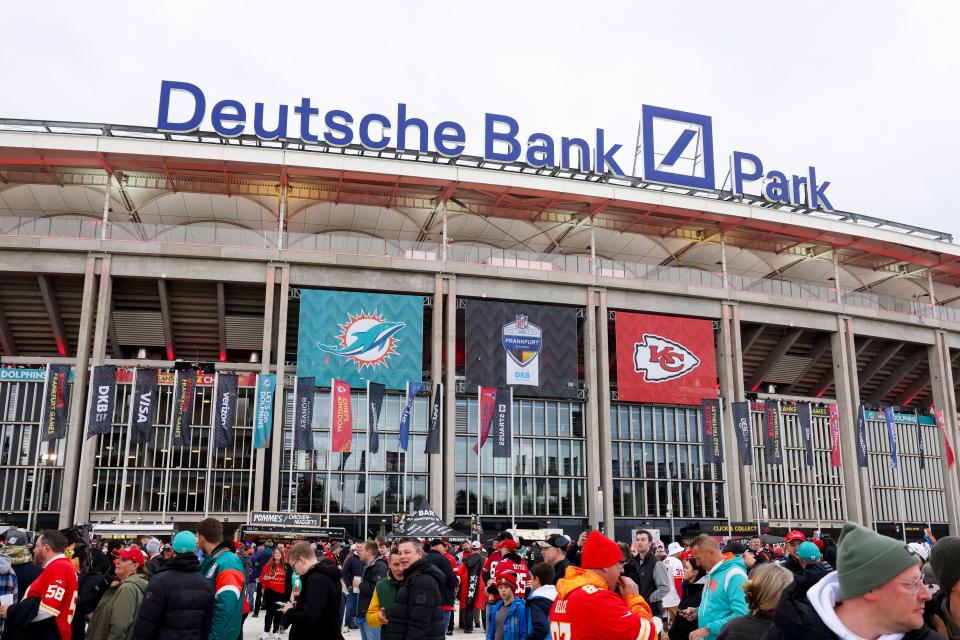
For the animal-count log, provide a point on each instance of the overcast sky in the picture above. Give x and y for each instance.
(865, 91)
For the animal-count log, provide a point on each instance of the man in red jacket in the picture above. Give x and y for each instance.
(587, 608)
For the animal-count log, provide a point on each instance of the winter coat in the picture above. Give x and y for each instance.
(372, 574)
(538, 612)
(723, 596)
(449, 585)
(559, 570)
(22, 561)
(383, 598)
(796, 618)
(114, 617)
(153, 565)
(352, 568)
(515, 624)
(224, 570)
(469, 572)
(937, 617)
(90, 588)
(651, 577)
(749, 627)
(317, 613)
(19, 623)
(416, 610)
(691, 597)
(8, 581)
(178, 603)
(793, 565)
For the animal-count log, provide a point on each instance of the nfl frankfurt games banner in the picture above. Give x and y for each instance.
(184, 387)
(341, 417)
(143, 406)
(103, 393)
(665, 359)
(890, 418)
(433, 435)
(358, 337)
(413, 388)
(834, 436)
(303, 414)
(712, 444)
(375, 393)
(488, 403)
(772, 443)
(806, 430)
(741, 427)
(224, 409)
(529, 345)
(861, 438)
(503, 423)
(938, 414)
(263, 409)
(56, 400)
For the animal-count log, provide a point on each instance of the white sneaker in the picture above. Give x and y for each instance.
(264, 636)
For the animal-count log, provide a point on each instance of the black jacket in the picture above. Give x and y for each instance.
(17, 625)
(560, 570)
(448, 588)
(91, 587)
(416, 610)
(690, 599)
(368, 583)
(177, 604)
(793, 565)
(747, 627)
(796, 619)
(317, 613)
(641, 572)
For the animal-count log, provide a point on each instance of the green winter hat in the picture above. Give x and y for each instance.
(867, 560)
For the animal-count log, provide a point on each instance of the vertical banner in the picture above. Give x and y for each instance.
(184, 387)
(375, 392)
(503, 424)
(413, 388)
(488, 404)
(434, 435)
(263, 409)
(921, 443)
(938, 414)
(834, 436)
(224, 409)
(891, 434)
(103, 394)
(806, 430)
(741, 427)
(56, 400)
(143, 406)
(303, 414)
(341, 417)
(861, 438)
(772, 444)
(712, 445)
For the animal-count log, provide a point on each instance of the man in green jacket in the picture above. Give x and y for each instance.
(117, 610)
(225, 572)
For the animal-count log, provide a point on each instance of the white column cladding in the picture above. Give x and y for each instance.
(591, 415)
(280, 396)
(435, 479)
(846, 384)
(606, 432)
(450, 402)
(731, 390)
(259, 456)
(944, 399)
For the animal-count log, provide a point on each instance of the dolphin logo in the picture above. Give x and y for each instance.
(366, 340)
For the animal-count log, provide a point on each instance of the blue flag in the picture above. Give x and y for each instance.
(263, 409)
(891, 435)
(413, 388)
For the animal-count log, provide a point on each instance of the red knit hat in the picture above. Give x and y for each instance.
(600, 552)
(509, 545)
(507, 579)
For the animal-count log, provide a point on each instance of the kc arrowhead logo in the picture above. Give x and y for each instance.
(661, 360)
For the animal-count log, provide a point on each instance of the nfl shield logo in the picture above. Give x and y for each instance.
(522, 321)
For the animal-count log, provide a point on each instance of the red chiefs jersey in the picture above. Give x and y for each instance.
(586, 610)
(57, 589)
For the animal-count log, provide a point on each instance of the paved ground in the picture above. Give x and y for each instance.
(253, 627)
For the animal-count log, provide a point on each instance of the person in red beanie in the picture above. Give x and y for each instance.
(587, 608)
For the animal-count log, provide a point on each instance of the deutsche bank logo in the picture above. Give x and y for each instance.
(677, 147)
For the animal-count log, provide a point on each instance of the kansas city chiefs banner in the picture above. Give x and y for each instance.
(341, 417)
(834, 436)
(665, 359)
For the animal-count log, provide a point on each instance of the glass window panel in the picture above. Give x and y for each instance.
(576, 420)
(646, 425)
(553, 498)
(553, 454)
(539, 428)
(539, 457)
(670, 432)
(541, 495)
(552, 428)
(563, 419)
(526, 418)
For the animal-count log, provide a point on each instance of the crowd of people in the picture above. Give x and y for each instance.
(199, 586)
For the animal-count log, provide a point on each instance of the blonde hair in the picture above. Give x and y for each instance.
(766, 584)
(301, 549)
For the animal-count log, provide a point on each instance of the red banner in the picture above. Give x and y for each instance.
(488, 403)
(946, 441)
(341, 417)
(834, 436)
(665, 359)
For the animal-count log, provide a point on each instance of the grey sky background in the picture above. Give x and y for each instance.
(865, 91)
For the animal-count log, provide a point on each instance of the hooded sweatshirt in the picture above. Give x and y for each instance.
(723, 596)
(538, 611)
(590, 611)
(114, 617)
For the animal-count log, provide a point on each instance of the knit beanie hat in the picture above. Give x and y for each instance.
(945, 562)
(867, 560)
(600, 552)
(507, 579)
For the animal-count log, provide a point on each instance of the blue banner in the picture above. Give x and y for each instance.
(263, 409)
(360, 337)
(891, 435)
(413, 388)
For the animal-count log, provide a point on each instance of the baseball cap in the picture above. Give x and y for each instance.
(796, 535)
(476, 544)
(808, 552)
(736, 548)
(919, 550)
(15, 537)
(557, 540)
(185, 542)
(153, 545)
(434, 543)
(130, 554)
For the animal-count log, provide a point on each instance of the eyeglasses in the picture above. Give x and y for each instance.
(912, 585)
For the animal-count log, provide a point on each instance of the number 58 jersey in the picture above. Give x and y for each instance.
(57, 589)
(586, 610)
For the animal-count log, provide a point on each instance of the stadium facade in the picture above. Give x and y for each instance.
(146, 250)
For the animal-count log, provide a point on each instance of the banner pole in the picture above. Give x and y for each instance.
(126, 454)
(726, 493)
(173, 417)
(293, 442)
(253, 451)
(366, 473)
(213, 427)
(513, 508)
(330, 453)
(479, 447)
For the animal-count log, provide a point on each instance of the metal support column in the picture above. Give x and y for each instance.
(450, 402)
(435, 461)
(944, 399)
(591, 415)
(606, 431)
(731, 390)
(856, 480)
(280, 395)
(259, 456)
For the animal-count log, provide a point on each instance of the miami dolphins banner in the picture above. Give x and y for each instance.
(741, 427)
(358, 337)
(772, 443)
(341, 417)
(56, 401)
(413, 388)
(712, 443)
(530, 346)
(890, 419)
(806, 429)
(263, 409)
(184, 388)
(103, 393)
(224, 409)
(143, 405)
(488, 404)
(375, 393)
(303, 414)
(834, 436)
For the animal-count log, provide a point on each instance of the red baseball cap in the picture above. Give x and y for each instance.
(796, 535)
(130, 554)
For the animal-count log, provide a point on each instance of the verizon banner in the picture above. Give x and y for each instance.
(341, 417)
(834, 436)
(503, 424)
(303, 414)
(56, 400)
(665, 359)
(861, 438)
(806, 430)
(375, 392)
(488, 405)
(103, 393)
(772, 443)
(143, 406)
(184, 386)
(433, 435)
(712, 444)
(741, 427)
(224, 409)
